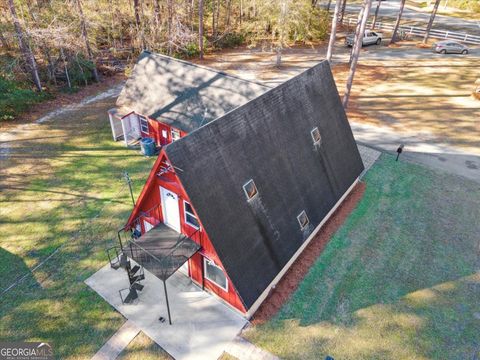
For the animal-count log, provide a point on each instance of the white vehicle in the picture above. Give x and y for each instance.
(370, 37)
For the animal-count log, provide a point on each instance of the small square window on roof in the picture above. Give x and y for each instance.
(316, 137)
(250, 189)
(303, 220)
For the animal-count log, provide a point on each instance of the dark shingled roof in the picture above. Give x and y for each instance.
(268, 140)
(181, 94)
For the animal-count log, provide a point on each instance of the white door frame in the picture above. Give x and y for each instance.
(147, 226)
(173, 212)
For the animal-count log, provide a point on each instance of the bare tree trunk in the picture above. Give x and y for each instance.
(62, 54)
(376, 14)
(214, 30)
(169, 26)
(357, 33)
(156, 11)
(138, 23)
(333, 33)
(397, 23)
(342, 13)
(356, 52)
(283, 16)
(241, 11)
(228, 14)
(328, 5)
(430, 22)
(43, 45)
(24, 47)
(200, 27)
(83, 26)
(217, 17)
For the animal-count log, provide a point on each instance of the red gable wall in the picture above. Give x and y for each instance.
(149, 199)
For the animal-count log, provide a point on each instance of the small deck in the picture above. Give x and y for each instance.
(162, 251)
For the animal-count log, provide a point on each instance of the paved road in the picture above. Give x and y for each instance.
(423, 149)
(389, 10)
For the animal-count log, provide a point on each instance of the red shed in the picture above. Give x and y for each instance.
(248, 190)
(167, 98)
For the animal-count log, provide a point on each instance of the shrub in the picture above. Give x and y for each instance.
(230, 40)
(15, 99)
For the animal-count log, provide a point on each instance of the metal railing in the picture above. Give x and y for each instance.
(154, 212)
(420, 32)
(163, 265)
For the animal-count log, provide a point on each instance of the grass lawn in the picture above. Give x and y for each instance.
(143, 348)
(62, 189)
(399, 280)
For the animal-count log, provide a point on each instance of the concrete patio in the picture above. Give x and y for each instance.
(202, 325)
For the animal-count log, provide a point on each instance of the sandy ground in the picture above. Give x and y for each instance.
(404, 88)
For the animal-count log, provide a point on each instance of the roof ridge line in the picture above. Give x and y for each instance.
(185, 62)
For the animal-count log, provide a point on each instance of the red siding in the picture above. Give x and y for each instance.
(157, 130)
(150, 199)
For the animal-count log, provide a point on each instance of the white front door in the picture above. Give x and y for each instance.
(170, 209)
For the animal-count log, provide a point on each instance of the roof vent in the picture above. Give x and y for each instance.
(316, 137)
(250, 189)
(303, 220)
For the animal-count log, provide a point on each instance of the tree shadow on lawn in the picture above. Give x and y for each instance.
(400, 276)
(432, 323)
(54, 305)
(76, 204)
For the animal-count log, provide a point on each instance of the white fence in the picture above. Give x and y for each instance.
(416, 31)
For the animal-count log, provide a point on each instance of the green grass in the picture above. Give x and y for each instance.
(62, 189)
(143, 348)
(399, 280)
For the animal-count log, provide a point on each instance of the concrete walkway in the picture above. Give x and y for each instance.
(119, 341)
(369, 156)
(202, 326)
(245, 350)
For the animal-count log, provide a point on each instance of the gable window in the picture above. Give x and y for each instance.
(303, 220)
(316, 137)
(175, 135)
(250, 189)
(190, 217)
(215, 274)
(143, 124)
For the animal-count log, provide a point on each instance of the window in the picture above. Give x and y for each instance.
(250, 189)
(143, 124)
(215, 274)
(303, 220)
(316, 137)
(175, 135)
(190, 217)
